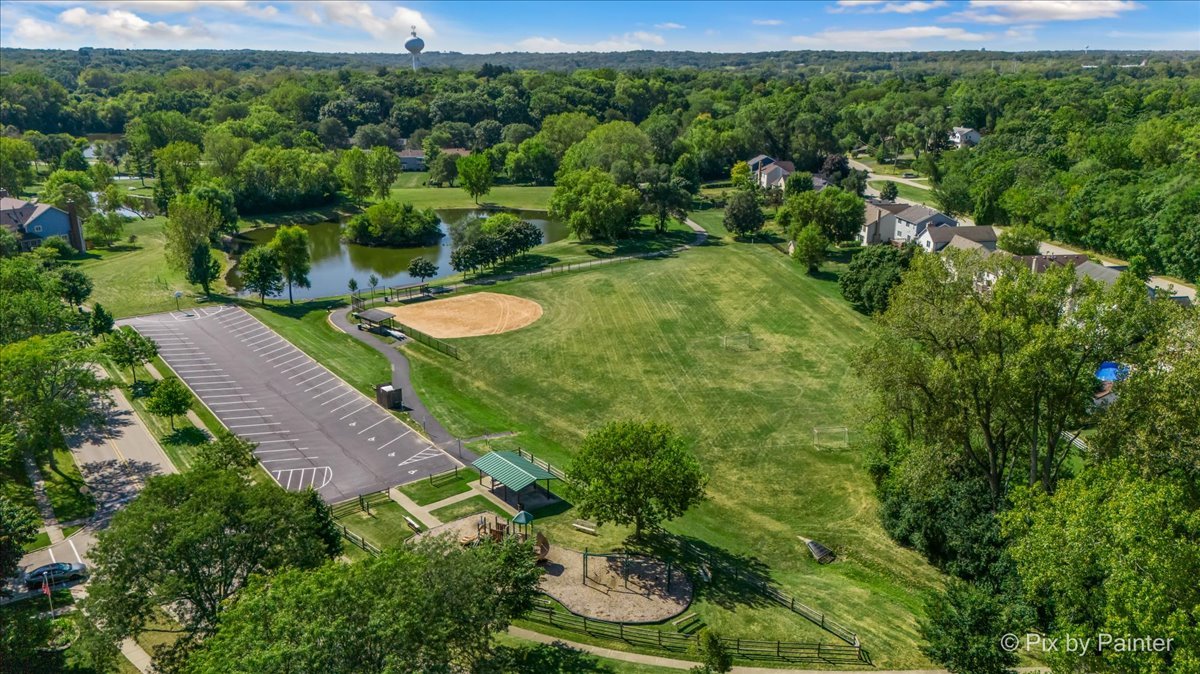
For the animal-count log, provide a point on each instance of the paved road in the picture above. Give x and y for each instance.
(115, 465)
(312, 429)
(1156, 281)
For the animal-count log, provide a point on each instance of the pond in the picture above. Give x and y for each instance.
(335, 262)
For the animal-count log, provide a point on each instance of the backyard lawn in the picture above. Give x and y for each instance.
(644, 340)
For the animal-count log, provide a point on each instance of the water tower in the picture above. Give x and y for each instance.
(414, 45)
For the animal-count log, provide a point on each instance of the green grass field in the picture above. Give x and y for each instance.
(644, 339)
(133, 278)
(469, 506)
(508, 196)
(908, 192)
(384, 526)
(440, 487)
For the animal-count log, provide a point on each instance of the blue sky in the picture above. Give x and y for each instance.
(558, 26)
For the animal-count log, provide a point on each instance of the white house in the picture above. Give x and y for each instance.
(964, 136)
(775, 174)
(879, 222)
(759, 163)
(912, 222)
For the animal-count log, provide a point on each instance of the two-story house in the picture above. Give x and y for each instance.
(32, 222)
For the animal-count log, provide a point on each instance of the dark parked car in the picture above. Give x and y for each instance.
(57, 573)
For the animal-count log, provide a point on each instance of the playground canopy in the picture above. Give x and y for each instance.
(514, 472)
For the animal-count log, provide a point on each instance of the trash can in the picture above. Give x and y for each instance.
(388, 396)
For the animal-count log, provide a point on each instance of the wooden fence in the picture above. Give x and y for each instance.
(360, 503)
(744, 649)
(549, 467)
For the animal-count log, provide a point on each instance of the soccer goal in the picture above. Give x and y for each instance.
(738, 341)
(831, 437)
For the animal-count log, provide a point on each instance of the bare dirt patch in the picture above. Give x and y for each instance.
(606, 595)
(471, 315)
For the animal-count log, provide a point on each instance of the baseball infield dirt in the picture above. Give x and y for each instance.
(469, 315)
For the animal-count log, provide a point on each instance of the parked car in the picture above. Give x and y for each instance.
(908, 174)
(57, 573)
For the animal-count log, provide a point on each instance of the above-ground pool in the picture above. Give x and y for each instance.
(1110, 371)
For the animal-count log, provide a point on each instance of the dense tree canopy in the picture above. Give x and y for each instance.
(389, 223)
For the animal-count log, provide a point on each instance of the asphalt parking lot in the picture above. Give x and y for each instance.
(312, 429)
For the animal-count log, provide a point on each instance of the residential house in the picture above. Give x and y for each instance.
(412, 160)
(760, 162)
(33, 223)
(912, 222)
(879, 221)
(937, 238)
(774, 175)
(964, 136)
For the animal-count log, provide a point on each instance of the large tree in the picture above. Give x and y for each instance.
(475, 175)
(50, 385)
(838, 214)
(203, 267)
(191, 221)
(129, 348)
(638, 473)
(872, 273)
(353, 170)
(169, 399)
(743, 215)
(663, 195)
(18, 526)
(433, 606)
(192, 540)
(291, 246)
(594, 205)
(16, 164)
(383, 167)
(809, 248)
(260, 272)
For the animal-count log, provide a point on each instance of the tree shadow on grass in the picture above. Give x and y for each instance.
(556, 658)
(733, 580)
(190, 436)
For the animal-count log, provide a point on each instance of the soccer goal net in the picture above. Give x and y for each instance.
(831, 437)
(738, 341)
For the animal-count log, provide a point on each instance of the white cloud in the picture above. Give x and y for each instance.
(999, 12)
(670, 25)
(911, 37)
(362, 15)
(767, 22)
(260, 9)
(626, 42)
(33, 31)
(120, 23)
(882, 7)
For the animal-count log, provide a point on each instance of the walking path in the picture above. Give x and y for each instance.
(671, 663)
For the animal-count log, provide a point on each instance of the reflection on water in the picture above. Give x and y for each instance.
(335, 262)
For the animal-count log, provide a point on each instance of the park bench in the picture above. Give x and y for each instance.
(688, 621)
(412, 525)
(585, 526)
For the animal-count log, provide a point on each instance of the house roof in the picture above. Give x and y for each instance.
(786, 165)
(918, 214)
(874, 212)
(819, 183)
(978, 234)
(960, 130)
(16, 214)
(892, 207)
(963, 243)
(1105, 275)
(419, 154)
(1040, 263)
(513, 471)
(758, 159)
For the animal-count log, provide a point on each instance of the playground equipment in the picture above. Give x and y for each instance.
(646, 572)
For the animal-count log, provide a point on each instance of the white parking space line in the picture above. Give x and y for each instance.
(240, 402)
(274, 451)
(337, 398)
(232, 395)
(271, 342)
(294, 458)
(254, 334)
(294, 367)
(235, 324)
(355, 411)
(349, 403)
(275, 350)
(325, 393)
(220, 388)
(319, 385)
(304, 372)
(252, 416)
(209, 376)
(51, 551)
(198, 369)
(259, 340)
(293, 357)
(371, 426)
(265, 433)
(76, 551)
(265, 423)
(394, 439)
(263, 442)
